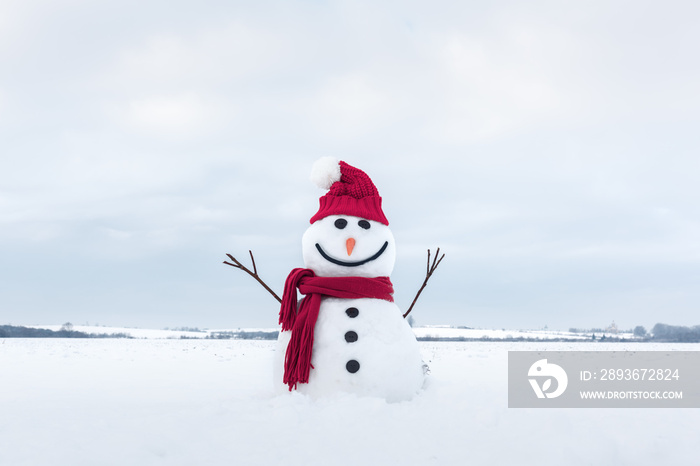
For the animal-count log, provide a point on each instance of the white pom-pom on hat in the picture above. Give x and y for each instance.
(325, 172)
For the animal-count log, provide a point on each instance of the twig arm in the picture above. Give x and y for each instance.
(236, 263)
(429, 269)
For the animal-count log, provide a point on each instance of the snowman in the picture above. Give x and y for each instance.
(346, 334)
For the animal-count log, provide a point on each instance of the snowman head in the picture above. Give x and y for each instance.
(349, 235)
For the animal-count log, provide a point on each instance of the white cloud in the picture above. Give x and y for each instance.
(348, 106)
(172, 116)
(216, 55)
(492, 85)
(524, 135)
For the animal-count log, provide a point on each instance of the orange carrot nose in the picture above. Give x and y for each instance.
(350, 245)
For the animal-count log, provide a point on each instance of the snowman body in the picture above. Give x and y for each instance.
(362, 346)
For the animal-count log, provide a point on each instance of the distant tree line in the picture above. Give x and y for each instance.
(676, 333)
(13, 331)
(244, 335)
(586, 330)
(638, 331)
(525, 339)
(660, 332)
(186, 329)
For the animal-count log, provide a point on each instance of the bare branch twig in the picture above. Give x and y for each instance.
(427, 265)
(254, 273)
(252, 259)
(429, 269)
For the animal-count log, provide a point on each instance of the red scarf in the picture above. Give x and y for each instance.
(297, 362)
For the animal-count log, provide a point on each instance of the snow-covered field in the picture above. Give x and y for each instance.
(210, 402)
(505, 334)
(437, 331)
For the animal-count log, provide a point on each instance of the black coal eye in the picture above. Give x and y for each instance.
(341, 223)
(364, 224)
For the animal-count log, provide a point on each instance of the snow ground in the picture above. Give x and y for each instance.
(210, 402)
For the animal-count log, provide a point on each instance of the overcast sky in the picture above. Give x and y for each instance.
(551, 149)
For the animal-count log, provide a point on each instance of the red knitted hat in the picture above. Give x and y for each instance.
(351, 191)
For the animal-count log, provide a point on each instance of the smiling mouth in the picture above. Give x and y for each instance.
(351, 264)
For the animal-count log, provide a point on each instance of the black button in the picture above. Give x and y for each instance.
(352, 312)
(352, 366)
(351, 337)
